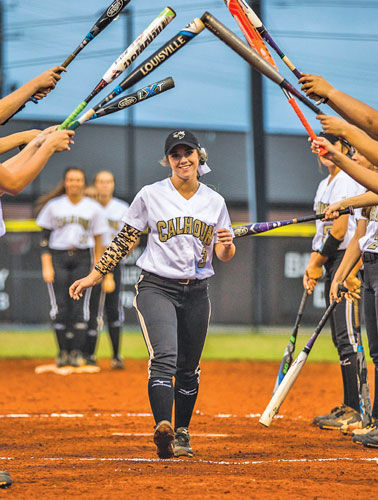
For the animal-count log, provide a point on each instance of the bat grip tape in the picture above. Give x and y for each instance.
(73, 115)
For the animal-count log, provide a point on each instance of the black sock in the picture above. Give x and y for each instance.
(185, 399)
(160, 392)
(79, 334)
(375, 405)
(114, 333)
(349, 372)
(90, 342)
(61, 339)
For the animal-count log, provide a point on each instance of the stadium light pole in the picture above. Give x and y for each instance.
(129, 125)
(257, 179)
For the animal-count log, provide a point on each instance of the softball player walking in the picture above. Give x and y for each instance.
(328, 248)
(106, 297)
(187, 222)
(72, 226)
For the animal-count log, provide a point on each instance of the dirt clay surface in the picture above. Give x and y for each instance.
(90, 436)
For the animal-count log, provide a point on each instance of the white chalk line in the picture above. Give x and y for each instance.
(128, 414)
(194, 461)
(149, 434)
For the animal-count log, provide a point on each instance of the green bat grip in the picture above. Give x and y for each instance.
(73, 115)
(74, 125)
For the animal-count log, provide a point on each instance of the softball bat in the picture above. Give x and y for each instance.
(159, 57)
(125, 59)
(291, 376)
(263, 227)
(253, 58)
(125, 102)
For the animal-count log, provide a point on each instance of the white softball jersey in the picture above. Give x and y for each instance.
(369, 242)
(181, 233)
(114, 211)
(2, 225)
(72, 225)
(341, 187)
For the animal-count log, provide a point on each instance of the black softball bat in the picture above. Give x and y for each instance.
(102, 22)
(263, 227)
(125, 102)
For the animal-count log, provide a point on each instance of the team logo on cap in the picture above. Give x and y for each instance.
(179, 135)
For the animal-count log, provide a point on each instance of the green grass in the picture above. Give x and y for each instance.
(222, 343)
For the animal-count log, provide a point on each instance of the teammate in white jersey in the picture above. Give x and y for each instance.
(72, 227)
(328, 248)
(186, 222)
(106, 297)
(365, 242)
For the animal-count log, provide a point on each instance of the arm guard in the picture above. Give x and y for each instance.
(44, 241)
(330, 246)
(118, 248)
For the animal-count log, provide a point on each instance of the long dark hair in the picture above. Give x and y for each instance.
(58, 190)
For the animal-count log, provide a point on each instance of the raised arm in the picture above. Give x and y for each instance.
(362, 175)
(356, 112)
(367, 146)
(41, 85)
(17, 173)
(19, 138)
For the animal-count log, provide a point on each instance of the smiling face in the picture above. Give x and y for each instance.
(74, 183)
(184, 162)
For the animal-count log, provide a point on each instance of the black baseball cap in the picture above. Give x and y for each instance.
(330, 137)
(333, 139)
(180, 137)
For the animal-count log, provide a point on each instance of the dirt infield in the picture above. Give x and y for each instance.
(90, 436)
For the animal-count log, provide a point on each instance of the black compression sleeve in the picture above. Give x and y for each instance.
(45, 239)
(118, 248)
(330, 246)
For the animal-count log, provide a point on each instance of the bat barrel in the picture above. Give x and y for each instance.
(283, 389)
(248, 54)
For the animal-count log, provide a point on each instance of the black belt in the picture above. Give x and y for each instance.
(369, 257)
(71, 251)
(182, 281)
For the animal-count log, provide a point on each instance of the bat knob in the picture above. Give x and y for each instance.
(341, 289)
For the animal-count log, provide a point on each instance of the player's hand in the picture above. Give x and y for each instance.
(47, 81)
(108, 285)
(321, 142)
(332, 212)
(334, 291)
(311, 276)
(315, 86)
(79, 286)
(353, 284)
(225, 237)
(60, 140)
(333, 125)
(48, 274)
(49, 130)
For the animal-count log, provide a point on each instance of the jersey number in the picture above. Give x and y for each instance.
(202, 262)
(374, 245)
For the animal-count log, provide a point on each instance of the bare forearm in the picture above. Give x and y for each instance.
(367, 199)
(12, 141)
(365, 145)
(12, 102)
(355, 111)
(351, 255)
(362, 175)
(16, 175)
